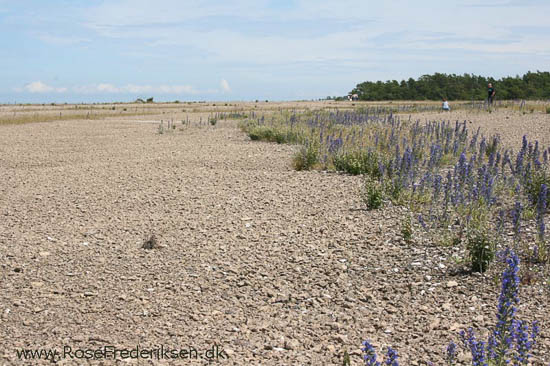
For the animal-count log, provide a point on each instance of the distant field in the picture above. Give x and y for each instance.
(15, 114)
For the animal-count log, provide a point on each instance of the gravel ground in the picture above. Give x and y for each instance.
(277, 267)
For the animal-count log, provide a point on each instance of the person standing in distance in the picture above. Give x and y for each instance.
(490, 94)
(445, 106)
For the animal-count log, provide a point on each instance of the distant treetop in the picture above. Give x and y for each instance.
(532, 85)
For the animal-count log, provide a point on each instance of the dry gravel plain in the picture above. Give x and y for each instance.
(277, 267)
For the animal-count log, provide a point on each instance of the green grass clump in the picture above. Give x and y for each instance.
(261, 133)
(306, 158)
(273, 133)
(358, 162)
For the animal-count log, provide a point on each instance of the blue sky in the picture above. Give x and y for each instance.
(119, 50)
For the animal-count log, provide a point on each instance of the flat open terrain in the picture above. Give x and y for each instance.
(277, 267)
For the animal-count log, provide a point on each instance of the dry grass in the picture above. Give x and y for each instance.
(50, 117)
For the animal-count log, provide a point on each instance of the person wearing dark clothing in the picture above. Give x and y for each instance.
(490, 94)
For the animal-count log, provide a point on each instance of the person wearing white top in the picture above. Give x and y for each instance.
(446, 106)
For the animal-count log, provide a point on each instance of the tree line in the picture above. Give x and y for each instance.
(532, 85)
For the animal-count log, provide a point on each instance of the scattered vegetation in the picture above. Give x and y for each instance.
(169, 128)
(450, 179)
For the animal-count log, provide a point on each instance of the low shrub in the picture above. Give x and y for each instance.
(358, 162)
(261, 133)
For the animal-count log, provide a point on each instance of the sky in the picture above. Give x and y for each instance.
(192, 50)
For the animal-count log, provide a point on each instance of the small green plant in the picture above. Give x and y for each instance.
(540, 253)
(407, 229)
(306, 157)
(548, 110)
(394, 190)
(529, 213)
(481, 249)
(212, 121)
(450, 238)
(346, 361)
(170, 126)
(373, 196)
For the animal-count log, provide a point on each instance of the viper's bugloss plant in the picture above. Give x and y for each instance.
(391, 357)
(407, 229)
(369, 354)
(373, 196)
(450, 354)
(541, 210)
(370, 358)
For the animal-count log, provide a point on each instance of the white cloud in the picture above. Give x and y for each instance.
(225, 86)
(106, 88)
(40, 87)
(161, 89)
(149, 23)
